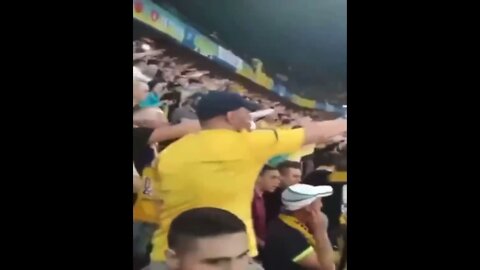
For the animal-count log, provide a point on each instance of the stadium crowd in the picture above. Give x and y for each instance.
(224, 178)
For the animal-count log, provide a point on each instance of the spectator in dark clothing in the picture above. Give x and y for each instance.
(268, 181)
(324, 160)
(142, 152)
(290, 173)
(151, 128)
(173, 97)
(307, 165)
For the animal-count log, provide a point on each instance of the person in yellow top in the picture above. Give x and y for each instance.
(218, 166)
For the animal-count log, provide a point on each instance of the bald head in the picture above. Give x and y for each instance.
(140, 91)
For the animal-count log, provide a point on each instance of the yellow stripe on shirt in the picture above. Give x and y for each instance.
(304, 254)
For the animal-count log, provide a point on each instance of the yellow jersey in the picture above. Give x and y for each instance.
(216, 168)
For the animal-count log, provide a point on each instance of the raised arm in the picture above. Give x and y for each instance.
(137, 56)
(323, 256)
(168, 132)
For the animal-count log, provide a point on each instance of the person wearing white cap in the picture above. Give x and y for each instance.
(298, 239)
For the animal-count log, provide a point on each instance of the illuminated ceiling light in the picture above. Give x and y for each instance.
(344, 106)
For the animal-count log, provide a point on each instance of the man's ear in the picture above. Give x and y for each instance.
(309, 208)
(172, 260)
(230, 116)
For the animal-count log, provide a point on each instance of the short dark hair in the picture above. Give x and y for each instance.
(201, 223)
(266, 168)
(284, 166)
(323, 157)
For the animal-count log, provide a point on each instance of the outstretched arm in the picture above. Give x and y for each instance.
(323, 132)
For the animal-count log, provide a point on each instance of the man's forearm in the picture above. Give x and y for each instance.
(323, 132)
(324, 251)
(174, 132)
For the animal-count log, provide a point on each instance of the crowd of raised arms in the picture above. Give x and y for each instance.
(228, 179)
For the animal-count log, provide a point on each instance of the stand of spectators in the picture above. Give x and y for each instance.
(173, 78)
(197, 149)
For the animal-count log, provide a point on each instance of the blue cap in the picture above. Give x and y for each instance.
(217, 103)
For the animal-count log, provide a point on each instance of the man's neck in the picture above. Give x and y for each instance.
(299, 216)
(283, 186)
(219, 125)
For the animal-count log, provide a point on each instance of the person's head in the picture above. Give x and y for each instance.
(225, 110)
(207, 239)
(290, 173)
(168, 75)
(141, 64)
(324, 158)
(268, 179)
(302, 199)
(151, 70)
(149, 117)
(140, 91)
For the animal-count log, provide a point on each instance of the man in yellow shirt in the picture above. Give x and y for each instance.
(218, 166)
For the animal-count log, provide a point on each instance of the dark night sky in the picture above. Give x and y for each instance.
(303, 39)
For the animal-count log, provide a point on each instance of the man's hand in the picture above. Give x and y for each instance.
(318, 222)
(155, 52)
(260, 243)
(323, 248)
(147, 53)
(323, 132)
